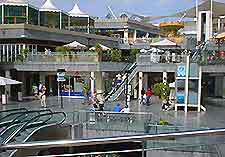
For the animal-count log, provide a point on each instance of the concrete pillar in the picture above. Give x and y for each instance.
(2, 14)
(224, 87)
(164, 77)
(60, 20)
(140, 85)
(99, 84)
(145, 78)
(27, 15)
(8, 87)
(92, 78)
(219, 25)
(88, 29)
(126, 37)
(42, 77)
(199, 88)
(135, 35)
(218, 86)
(187, 84)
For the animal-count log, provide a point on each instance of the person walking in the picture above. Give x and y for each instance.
(43, 96)
(148, 96)
(142, 95)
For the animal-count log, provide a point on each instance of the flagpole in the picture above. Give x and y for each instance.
(196, 7)
(211, 18)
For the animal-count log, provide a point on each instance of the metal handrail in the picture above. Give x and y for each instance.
(18, 109)
(16, 132)
(132, 67)
(111, 91)
(127, 151)
(112, 140)
(15, 120)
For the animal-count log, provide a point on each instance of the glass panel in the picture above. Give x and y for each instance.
(79, 24)
(194, 70)
(64, 21)
(14, 14)
(50, 19)
(0, 14)
(193, 92)
(33, 16)
(180, 91)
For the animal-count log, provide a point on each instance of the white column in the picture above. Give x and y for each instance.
(140, 85)
(219, 25)
(69, 23)
(36, 49)
(8, 87)
(11, 52)
(164, 77)
(15, 51)
(7, 53)
(186, 83)
(39, 18)
(126, 37)
(69, 86)
(27, 14)
(135, 35)
(3, 14)
(60, 20)
(92, 83)
(3, 53)
(88, 30)
(199, 88)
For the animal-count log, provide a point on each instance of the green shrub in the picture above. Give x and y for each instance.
(116, 55)
(163, 122)
(24, 53)
(134, 53)
(62, 50)
(162, 90)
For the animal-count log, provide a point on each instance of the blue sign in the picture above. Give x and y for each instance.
(181, 71)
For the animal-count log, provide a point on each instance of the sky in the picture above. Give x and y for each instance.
(142, 7)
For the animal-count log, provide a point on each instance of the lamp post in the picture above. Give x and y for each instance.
(60, 79)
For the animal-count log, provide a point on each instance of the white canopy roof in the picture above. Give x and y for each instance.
(104, 48)
(15, 1)
(76, 12)
(49, 6)
(164, 42)
(6, 81)
(75, 45)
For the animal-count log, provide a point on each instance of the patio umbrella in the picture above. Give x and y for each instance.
(221, 36)
(6, 81)
(143, 51)
(104, 48)
(75, 45)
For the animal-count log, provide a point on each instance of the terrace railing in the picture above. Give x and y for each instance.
(167, 59)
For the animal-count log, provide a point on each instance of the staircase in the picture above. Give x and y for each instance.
(115, 93)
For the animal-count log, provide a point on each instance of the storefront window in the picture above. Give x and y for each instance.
(33, 16)
(64, 21)
(0, 14)
(50, 19)
(14, 14)
(79, 24)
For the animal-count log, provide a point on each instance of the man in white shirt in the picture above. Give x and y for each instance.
(125, 110)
